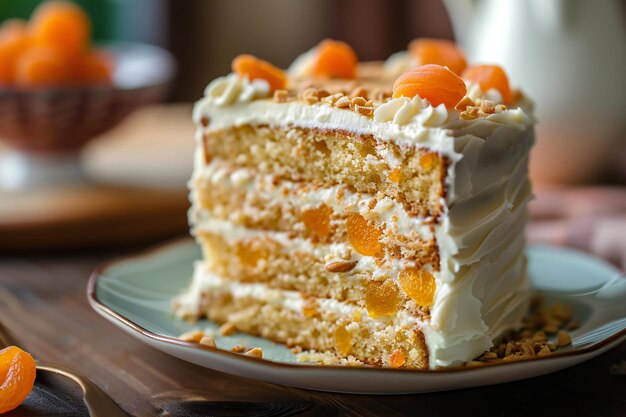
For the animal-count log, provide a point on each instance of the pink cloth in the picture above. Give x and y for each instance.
(592, 219)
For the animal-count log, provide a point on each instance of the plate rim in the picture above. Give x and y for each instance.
(141, 332)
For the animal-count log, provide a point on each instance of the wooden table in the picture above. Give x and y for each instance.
(42, 299)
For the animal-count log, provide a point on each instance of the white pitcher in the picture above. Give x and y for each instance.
(570, 57)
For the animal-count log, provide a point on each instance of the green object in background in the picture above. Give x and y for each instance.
(106, 15)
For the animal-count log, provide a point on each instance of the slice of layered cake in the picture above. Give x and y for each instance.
(347, 210)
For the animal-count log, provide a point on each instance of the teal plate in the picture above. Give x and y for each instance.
(135, 294)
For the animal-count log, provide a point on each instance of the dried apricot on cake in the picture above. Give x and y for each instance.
(488, 77)
(363, 237)
(433, 82)
(397, 359)
(62, 25)
(17, 376)
(381, 299)
(335, 59)
(418, 285)
(317, 221)
(438, 51)
(255, 68)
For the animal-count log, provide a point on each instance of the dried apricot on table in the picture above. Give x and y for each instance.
(41, 67)
(255, 68)
(381, 299)
(418, 285)
(363, 237)
(17, 376)
(61, 24)
(438, 51)
(335, 59)
(317, 221)
(433, 82)
(488, 77)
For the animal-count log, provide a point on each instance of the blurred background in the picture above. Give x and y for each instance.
(569, 56)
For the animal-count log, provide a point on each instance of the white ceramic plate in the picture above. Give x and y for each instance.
(134, 293)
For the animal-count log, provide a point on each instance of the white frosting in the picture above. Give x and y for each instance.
(398, 63)
(482, 285)
(231, 89)
(302, 66)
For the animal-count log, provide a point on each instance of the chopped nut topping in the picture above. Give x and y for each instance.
(469, 113)
(363, 110)
(322, 93)
(358, 101)
(227, 329)
(310, 95)
(359, 92)
(281, 96)
(464, 104)
(255, 353)
(207, 341)
(487, 107)
(332, 99)
(339, 266)
(192, 336)
(563, 339)
(343, 102)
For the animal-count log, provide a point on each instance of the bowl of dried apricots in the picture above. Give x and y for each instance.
(57, 91)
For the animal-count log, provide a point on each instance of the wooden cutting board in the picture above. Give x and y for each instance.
(135, 192)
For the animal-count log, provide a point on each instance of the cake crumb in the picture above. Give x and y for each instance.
(207, 341)
(192, 336)
(563, 339)
(238, 349)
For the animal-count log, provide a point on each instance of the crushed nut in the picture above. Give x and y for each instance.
(470, 113)
(227, 329)
(363, 110)
(359, 92)
(238, 349)
(281, 96)
(339, 266)
(358, 101)
(255, 353)
(464, 104)
(332, 98)
(192, 336)
(343, 102)
(487, 107)
(563, 339)
(207, 341)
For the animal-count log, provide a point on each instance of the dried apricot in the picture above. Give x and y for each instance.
(94, 67)
(317, 221)
(250, 253)
(363, 237)
(61, 24)
(381, 299)
(428, 160)
(397, 359)
(433, 82)
(17, 376)
(438, 51)
(335, 59)
(41, 67)
(488, 77)
(418, 285)
(255, 68)
(13, 42)
(343, 340)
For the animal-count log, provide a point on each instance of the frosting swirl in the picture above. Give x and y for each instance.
(231, 89)
(403, 110)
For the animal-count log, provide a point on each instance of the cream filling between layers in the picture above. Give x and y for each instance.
(465, 316)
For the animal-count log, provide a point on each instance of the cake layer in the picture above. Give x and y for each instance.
(309, 322)
(329, 157)
(327, 271)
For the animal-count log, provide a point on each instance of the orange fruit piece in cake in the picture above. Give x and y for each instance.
(418, 285)
(17, 376)
(335, 59)
(397, 359)
(488, 77)
(343, 340)
(433, 82)
(255, 68)
(363, 237)
(438, 51)
(61, 24)
(94, 67)
(41, 67)
(381, 299)
(317, 221)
